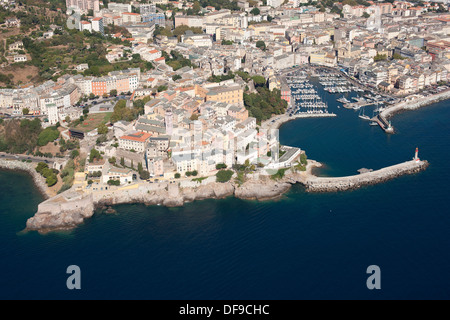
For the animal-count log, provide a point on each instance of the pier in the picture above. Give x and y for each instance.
(383, 123)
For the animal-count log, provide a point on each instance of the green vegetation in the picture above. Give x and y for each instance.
(94, 155)
(102, 129)
(114, 182)
(90, 122)
(265, 103)
(199, 180)
(67, 175)
(20, 136)
(224, 77)
(398, 56)
(176, 60)
(47, 135)
(49, 174)
(143, 174)
(177, 175)
(224, 175)
(162, 88)
(220, 4)
(221, 166)
(301, 165)
(380, 57)
(176, 77)
(121, 112)
(227, 42)
(177, 32)
(255, 11)
(278, 175)
(191, 173)
(261, 44)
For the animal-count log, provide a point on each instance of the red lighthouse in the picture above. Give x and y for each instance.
(416, 156)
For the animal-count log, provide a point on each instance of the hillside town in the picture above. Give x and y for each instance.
(192, 113)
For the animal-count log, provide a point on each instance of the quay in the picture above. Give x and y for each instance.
(275, 123)
(383, 123)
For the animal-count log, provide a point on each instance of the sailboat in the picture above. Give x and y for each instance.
(363, 116)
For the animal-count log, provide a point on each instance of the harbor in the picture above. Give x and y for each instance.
(305, 98)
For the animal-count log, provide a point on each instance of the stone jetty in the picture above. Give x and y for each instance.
(321, 184)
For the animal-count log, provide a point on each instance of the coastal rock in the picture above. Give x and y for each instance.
(63, 211)
(263, 189)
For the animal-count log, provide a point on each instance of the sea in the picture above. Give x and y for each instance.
(302, 246)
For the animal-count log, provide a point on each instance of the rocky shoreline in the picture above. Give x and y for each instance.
(69, 209)
(29, 168)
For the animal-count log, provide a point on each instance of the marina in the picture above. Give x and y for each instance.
(310, 95)
(305, 98)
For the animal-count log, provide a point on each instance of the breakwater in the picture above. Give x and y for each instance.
(322, 184)
(412, 104)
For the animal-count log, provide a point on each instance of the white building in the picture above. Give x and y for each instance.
(97, 25)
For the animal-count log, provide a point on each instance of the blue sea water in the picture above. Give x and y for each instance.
(303, 246)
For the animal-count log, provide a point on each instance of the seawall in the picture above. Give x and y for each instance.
(70, 208)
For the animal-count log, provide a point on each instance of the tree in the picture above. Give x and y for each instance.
(74, 154)
(221, 166)
(102, 129)
(261, 44)
(144, 175)
(113, 92)
(259, 81)
(176, 77)
(224, 175)
(255, 11)
(25, 111)
(49, 134)
(94, 155)
(177, 175)
(196, 7)
(379, 57)
(366, 15)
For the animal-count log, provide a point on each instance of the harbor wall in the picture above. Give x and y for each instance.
(415, 104)
(322, 184)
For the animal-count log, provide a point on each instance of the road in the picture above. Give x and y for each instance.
(20, 157)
